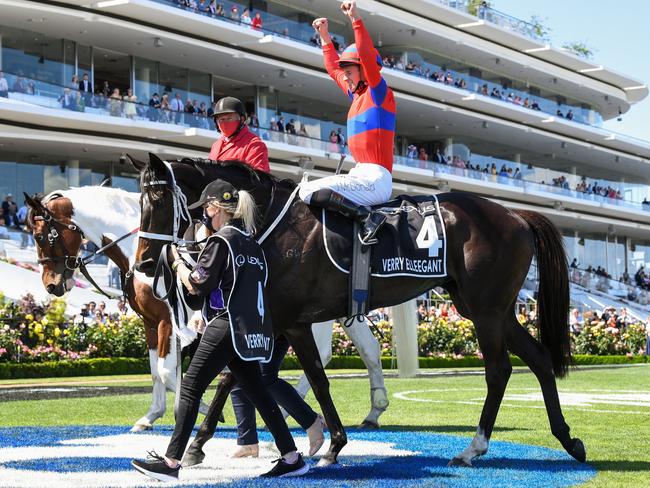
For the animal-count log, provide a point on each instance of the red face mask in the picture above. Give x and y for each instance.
(228, 128)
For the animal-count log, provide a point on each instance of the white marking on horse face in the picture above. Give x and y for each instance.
(69, 284)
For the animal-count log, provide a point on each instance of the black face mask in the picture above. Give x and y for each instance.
(207, 221)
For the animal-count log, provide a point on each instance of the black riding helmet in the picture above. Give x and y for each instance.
(227, 105)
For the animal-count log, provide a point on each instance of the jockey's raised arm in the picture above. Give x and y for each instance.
(370, 59)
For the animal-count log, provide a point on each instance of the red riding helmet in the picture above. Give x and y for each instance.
(351, 56)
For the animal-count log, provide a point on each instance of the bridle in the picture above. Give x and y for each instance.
(72, 263)
(181, 212)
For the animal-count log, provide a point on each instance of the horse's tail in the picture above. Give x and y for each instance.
(553, 297)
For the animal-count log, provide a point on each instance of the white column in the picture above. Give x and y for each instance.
(449, 150)
(74, 176)
(405, 335)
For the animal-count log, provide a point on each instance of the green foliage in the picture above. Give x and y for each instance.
(473, 6)
(81, 367)
(596, 338)
(540, 28)
(579, 49)
(37, 332)
(443, 336)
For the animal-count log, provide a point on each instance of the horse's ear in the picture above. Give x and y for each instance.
(35, 204)
(136, 163)
(199, 168)
(156, 163)
(108, 181)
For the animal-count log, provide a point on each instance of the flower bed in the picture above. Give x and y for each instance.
(32, 332)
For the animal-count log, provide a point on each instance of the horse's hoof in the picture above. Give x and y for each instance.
(578, 451)
(460, 462)
(368, 424)
(222, 419)
(141, 427)
(326, 461)
(193, 457)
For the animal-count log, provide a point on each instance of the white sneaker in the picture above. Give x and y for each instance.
(315, 435)
(250, 450)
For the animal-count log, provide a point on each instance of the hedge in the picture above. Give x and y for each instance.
(122, 366)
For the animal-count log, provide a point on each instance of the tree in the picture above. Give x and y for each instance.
(579, 49)
(540, 29)
(473, 6)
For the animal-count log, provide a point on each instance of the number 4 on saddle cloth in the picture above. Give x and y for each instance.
(411, 242)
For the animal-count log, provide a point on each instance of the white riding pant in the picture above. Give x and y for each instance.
(365, 184)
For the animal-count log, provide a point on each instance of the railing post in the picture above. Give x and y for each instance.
(405, 336)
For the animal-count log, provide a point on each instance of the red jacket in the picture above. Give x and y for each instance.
(371, 118)
(245, 147)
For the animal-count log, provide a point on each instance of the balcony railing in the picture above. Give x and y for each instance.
(416, 65)
(442, 171)
(49, 95)
(503, 20)
(619, 289)
(303, 32)
(271, 23)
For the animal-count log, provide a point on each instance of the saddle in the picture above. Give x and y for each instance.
(411, 242)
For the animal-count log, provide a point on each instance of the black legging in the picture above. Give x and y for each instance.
(214, 353)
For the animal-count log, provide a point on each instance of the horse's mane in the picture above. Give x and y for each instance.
(126, 203)
(253, 174)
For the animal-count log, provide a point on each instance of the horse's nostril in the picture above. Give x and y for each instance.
(50, 288)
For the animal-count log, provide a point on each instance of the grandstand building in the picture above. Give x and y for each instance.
(485, 105)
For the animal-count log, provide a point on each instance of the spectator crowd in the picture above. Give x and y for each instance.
(96, 313)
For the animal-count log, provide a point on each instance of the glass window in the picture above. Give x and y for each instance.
(84, 61)
(112, 70)
(638, 255)
(173, 80)
(32, 55)
(199, 87)
(69, 64)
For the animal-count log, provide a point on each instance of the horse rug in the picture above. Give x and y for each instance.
(412, 241)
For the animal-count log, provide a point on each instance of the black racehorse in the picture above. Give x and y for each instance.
(489, 252)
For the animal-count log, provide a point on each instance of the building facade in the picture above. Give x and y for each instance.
(488, 105)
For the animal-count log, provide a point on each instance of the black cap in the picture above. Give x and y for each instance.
(228, 105)
(219, 190)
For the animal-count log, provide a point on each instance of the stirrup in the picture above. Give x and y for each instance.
(368, 233)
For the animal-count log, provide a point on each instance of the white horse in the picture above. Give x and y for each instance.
(103, 214)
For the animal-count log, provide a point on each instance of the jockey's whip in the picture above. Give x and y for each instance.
(340, 165)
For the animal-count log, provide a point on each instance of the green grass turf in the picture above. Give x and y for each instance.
(617, 441)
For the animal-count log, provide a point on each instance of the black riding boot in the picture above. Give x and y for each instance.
(370, 221)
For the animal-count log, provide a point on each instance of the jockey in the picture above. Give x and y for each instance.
(237, 142)
(371, 129)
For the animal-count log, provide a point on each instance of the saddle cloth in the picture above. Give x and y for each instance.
(412, 241)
